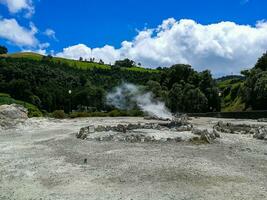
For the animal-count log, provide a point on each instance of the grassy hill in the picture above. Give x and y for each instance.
(73, 63)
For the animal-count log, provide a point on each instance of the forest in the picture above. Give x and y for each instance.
(51, 84)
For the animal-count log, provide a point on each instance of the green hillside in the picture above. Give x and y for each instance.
(70, 62)
(45, 82)
(230, 90)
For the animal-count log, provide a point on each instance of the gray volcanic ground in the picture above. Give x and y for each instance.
(42, 159)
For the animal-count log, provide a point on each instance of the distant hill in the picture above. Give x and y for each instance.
(70, 62)
(230, 77)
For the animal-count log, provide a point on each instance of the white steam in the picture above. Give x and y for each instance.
(127, 96)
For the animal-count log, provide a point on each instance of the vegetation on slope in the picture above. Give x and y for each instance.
(230, 92)
(45, 83)
(254, 90)
(33, 110)
(247, 92)
(81, 64)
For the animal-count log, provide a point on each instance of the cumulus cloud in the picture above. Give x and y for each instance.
(15, 6)
(18, 35)
(107, 53)
(50, 33)
(224, 47)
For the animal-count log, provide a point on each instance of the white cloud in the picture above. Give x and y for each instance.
(224, 47)
(18, 35)
(39, 51)
(15, 6)
(107, 53)
(50, 33)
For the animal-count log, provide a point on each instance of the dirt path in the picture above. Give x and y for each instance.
(44, 160)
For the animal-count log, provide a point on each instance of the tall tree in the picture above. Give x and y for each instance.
(3, 50)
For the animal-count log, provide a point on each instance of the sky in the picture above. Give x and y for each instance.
(224, 36)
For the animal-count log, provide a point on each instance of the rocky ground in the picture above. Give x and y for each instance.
(43, 159)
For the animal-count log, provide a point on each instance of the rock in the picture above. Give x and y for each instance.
(195, 139)
(121, 128)
(253, 131)
(13, 111)
(82, 134)
(107, 138)
(108, 128)
(196, 131)
(205, 136)
(261, 134)
(184, 128)
(132, 138)
(169, 140)
(91, 129)
(100, 128)
(184, 119)
(133, 126)
(178, 139)
(11, 115)
(147, 126)
(216, 133)
(233, 128)
(262, 120)
(156, 118)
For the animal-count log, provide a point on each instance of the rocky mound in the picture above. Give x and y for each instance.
(172, 131)
(257, 130)
(10, 115)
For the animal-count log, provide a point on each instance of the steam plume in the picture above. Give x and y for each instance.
(127, 96)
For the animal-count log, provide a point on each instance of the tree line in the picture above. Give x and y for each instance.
(46, 84)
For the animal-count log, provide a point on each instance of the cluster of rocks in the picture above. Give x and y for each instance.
(261, 133)
(258, 131)
(136, 138)
(121, 128)
(262, 120)
(10, 115)
(232, 128)
(205, 135)
(178, 130)
(182, 118)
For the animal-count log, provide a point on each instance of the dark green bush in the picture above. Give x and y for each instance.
(79, 114)
(59, 114)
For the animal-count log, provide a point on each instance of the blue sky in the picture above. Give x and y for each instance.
(50, 26)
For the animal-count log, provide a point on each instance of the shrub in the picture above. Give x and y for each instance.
(98, 114)
(59, 114)
(79, 114)
(135, 113)
(116, 113)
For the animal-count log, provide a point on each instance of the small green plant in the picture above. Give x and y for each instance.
(59, 114)
(79, 114)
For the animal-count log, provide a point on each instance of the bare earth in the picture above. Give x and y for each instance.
(44, 160)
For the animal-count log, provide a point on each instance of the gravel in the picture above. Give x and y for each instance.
(42, 159)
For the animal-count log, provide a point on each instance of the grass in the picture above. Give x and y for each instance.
(231, 101)
(234, 106)
(33, 110)
(73, 63)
